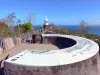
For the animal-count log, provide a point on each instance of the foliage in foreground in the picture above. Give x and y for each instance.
(4, 30)
(23, 28)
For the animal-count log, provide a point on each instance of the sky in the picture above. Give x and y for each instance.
(59, 12)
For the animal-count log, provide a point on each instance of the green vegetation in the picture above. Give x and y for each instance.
(10, 25)
(23, 28)
(5, 23)
(26, 26)
(4, 30)
(58, 29)
(85, 29)
(52, 26)
(61, 30)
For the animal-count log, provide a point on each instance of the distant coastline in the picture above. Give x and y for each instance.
(95, 29)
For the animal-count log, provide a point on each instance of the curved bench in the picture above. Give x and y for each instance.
(79, 59)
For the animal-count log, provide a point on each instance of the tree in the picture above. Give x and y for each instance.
(10, 19)
(4, 29)
(31, 18)
(85, 29)
(18, 30)
(27, 27)
(23, 28)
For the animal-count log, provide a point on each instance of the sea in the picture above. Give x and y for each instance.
(95, 29)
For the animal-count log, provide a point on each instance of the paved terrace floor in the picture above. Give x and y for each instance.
(26, 46)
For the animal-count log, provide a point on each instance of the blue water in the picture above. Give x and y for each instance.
(95, 29)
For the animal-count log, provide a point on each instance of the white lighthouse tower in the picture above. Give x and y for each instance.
(46, 21)
(46, 24)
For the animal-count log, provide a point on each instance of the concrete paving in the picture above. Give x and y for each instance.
(26, 46)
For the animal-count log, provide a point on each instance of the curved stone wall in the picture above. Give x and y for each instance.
(78, 59)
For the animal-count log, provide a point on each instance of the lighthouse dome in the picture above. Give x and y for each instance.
(46, 19)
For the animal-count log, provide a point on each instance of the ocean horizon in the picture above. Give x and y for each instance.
(95, 29)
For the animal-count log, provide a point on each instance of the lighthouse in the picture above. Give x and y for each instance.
(46, 21)
(46, 24)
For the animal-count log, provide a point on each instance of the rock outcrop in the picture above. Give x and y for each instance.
(37, 38)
